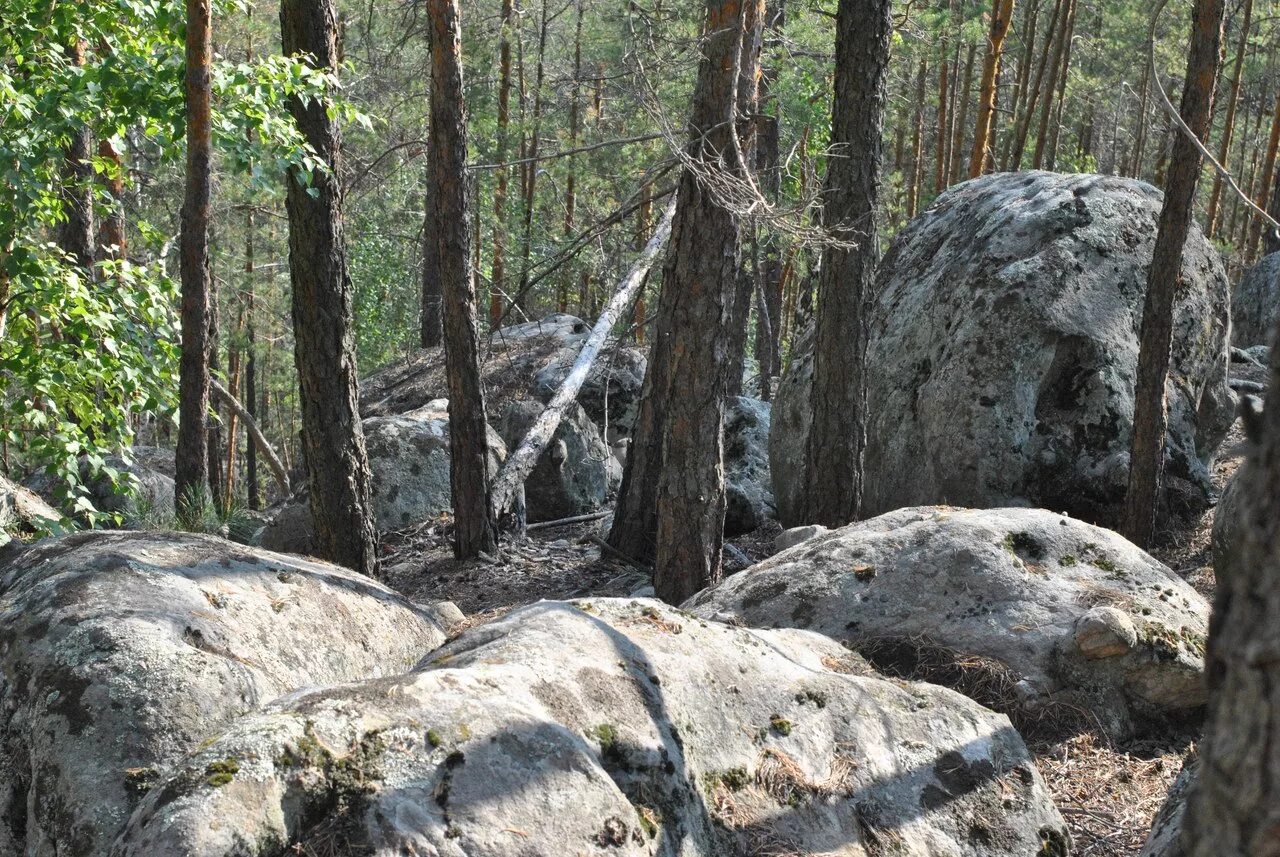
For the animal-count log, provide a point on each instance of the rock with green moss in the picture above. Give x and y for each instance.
(565, 731)
(1026, 610)
(120, 652)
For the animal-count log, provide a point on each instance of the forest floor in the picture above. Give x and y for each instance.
(1107, 792)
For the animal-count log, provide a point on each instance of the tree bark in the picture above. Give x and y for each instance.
(324, 343)
(1151, 418)
(497, 284)
(769, 273)
(837, 440)
(1235, 809)
(521, 461)
(474, 530)
(1001, 18)
(1022, 131)
(1263, 198)
(191, 459)
(531, 180)
(575, 129)
(917, 143)
(1021, 90)
(940, 144)
(1055, 127)
(112, 243)
(76, 232)
(1213, 217)
(962, 116)
(430, 330)
(673, 487)
(1055, 67)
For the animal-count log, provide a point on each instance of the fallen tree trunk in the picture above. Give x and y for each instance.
(520, 463)
(259, 439)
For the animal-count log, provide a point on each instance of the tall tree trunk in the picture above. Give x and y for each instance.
(1151, 418)
(1263, 195)
(76, 233)
(940, 144)
(1001, 18)
(1235, 809)
(1055, 127)
(324, 343)
(216, 423)
(769, 273)
(917, 144)
(1055, 68)
(748, 109)
(531, 154)
(1213, 216)
(497, 284)
(112, 243)
(191, 460)
(430, 331)
(1022, 131)
(838, 437)
(474, 531)
(1020, 91)
(575, 128)
(962, 117)
(251, 362)
(673, 487)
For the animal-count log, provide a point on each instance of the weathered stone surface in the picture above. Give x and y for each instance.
(611, 727)
(611, 393)
(519, 361)
(748, 483)
(24, 511)
(797, 535)
(1165, 839)
(150, 501)
(1003, 351)
(1228, 520)
(119, 652)
(1254, 303)
(1020, 589)
(409, 460)
(575, 474)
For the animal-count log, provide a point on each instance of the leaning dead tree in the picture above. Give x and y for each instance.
(255, 431)
(520, 464)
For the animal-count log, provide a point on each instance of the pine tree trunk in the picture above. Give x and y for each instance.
(1001, 18)
(1213, 217)
(769, 173)
(1151, 418)
(76, 232)
(1263, 196)
(324, 342)
(1055, 67)
(531, 182)
(1140, 138)
(112, 243)
(575, 127)
(497, 285)
(837, 441)
(1020, 91)
(940, 144)
(430, 330)
(191, 459)
(962, 118)
(1055, 128)
(251, 365)
(1023, 129)
(917, 144)
(673, 487)
(216, 422)
(474, 530)
(1235, 809)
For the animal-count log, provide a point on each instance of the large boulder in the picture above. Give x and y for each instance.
(23, 512)
(516, 362)
(611, 392)
(1228, 519)
(1030, 611)
(748, 483)
(575, 474)
(611, 727)
(140, 494)
(409, 459)
(1003, 351)
(1254, 303)
(120, 652)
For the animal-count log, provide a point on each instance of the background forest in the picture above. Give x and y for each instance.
(564, 179)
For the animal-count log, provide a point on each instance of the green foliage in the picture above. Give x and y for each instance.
(81, 360)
